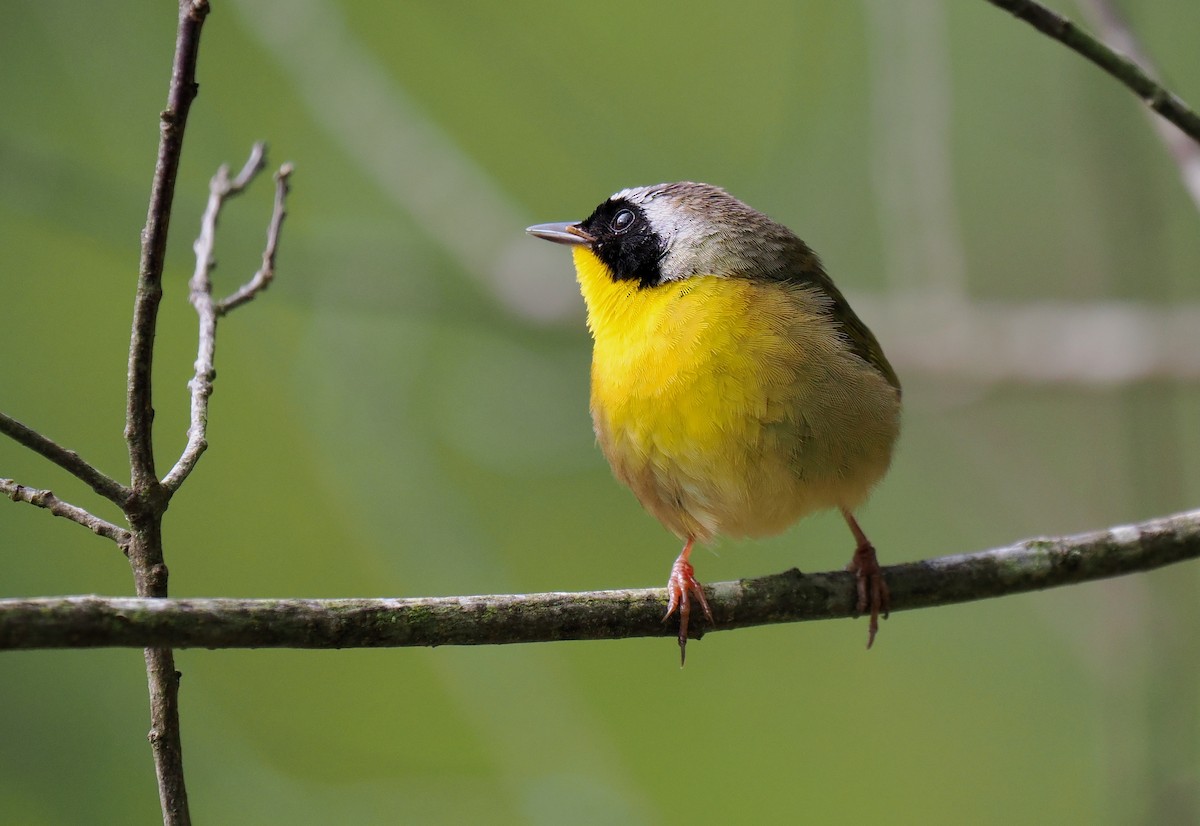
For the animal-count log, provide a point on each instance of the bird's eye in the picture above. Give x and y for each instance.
(622, 221)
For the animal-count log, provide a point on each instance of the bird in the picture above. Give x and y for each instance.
(733, 389)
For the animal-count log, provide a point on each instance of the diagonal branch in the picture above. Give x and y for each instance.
(1059, 28)
(46, 499)
(1031, 565)
(68, 460)
(220, 190)
(1108, 21)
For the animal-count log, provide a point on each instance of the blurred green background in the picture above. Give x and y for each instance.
(405, 411)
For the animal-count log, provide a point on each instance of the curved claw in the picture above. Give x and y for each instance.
(872, 590)
(873, 594)
(681, 588)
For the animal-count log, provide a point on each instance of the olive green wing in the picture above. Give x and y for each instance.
(808, 271)
(861, 339)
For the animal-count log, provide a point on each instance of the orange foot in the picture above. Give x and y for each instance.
(873, 592)
(682, 586)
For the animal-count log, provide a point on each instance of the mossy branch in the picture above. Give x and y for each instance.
(1031, 565)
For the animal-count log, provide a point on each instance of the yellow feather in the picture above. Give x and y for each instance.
(731, 405)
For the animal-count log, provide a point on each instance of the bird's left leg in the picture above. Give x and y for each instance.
(872, 590)
(681, 587)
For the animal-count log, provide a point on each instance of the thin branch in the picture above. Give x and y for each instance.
(68, 460)
(46, 499)
(139, 412)
(164, 736)
(149, 500)
(220, 190)
(266, 273)
(1035, 564)
(1105, 17)
(1059, 28)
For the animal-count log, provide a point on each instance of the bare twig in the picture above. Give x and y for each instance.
(68, 460)
(1059, 28)
(266, 273)
(139, 416)
(149, 500)
(46, 499)
(164, 736)
(220, 189)
(1107, 20)
(1035, 564)
(209, 310)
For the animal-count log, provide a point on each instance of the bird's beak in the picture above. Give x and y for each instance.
(567, 232)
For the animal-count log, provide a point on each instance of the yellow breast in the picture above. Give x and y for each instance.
(729, 405)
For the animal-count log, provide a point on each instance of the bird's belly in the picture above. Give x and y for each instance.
(700, 484)
(703, 473)
(720, 433)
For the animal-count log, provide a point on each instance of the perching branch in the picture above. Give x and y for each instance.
(221, 189)
(1059, 28)
(46, 499)
(1035, 564)
(68, 460)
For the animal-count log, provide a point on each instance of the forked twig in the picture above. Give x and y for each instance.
(68, 460)
(209, 310)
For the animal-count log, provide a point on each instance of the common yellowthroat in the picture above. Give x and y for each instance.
(733, 388)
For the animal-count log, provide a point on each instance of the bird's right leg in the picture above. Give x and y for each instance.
(681, 587)
(873, 593)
